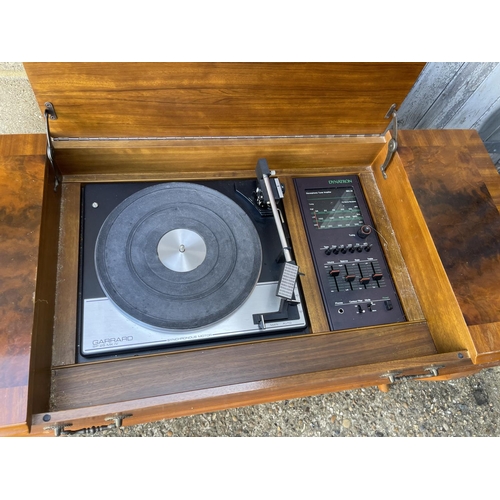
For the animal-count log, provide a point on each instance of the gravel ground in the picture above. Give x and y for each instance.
(468, 406)
(464, 407)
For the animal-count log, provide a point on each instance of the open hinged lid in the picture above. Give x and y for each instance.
(119, 100)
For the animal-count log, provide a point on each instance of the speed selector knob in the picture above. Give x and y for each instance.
(364, 231)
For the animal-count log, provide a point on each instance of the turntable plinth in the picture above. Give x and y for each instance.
(442, 257)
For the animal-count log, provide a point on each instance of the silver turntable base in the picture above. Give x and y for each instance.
(110, 331)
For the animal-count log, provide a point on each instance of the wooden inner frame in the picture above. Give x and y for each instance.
(100, 383)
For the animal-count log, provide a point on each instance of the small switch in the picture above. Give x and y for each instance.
(360, 309)
(388, 304)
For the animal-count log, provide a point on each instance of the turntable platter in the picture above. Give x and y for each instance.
(178, 256)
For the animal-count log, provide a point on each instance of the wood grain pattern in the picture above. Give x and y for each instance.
(261, 391)
(22, 144)
(392, 250)
(486, 338)
(21, 187)
(464, 220)
(45, 292)
(164, 157)
(438, 302)
(456, 204)
(181, 372)
(64, 346)
(220, 99)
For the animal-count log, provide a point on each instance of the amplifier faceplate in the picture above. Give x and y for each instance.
(355, 281)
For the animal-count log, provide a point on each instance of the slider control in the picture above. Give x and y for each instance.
(334, 272)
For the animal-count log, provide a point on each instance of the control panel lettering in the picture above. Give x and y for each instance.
(355, 282)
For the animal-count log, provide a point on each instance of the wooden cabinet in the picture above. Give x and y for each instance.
(437, 213)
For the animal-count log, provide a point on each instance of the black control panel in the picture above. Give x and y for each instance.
(355, 282)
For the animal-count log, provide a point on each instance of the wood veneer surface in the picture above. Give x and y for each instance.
(460, 214)
(220, 99)
(121, 380)
(218, 156)
(21, 190)
(261, 391)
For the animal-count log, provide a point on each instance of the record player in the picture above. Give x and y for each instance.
(192, 237)
(168, 264)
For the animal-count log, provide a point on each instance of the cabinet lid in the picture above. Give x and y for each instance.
(220, 99)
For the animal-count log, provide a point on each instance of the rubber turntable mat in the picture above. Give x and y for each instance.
(134, 278)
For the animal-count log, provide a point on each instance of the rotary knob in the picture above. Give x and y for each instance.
(364, 231)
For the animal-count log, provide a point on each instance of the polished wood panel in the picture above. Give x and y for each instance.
(486, 338)
(438, 302)
(22, 144)
(43, 319)
(448, 171)
(21, 190)
(391, 247)
(457, 204)
(182, 372)
(158, 158)
(64, 347)
(260, 391)
(220, 99)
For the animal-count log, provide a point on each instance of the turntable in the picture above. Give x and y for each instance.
(172, 263)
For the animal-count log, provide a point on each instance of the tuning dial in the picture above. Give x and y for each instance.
(364, 231)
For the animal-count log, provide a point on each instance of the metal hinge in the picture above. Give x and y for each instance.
(51, 113)
(433, 371)
(393, 142)
(60, 429)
